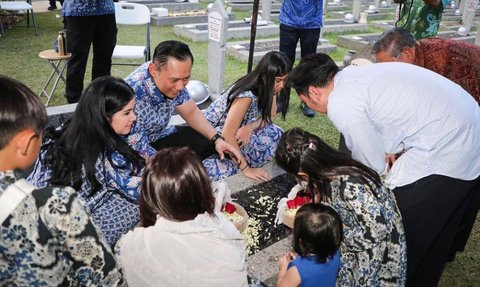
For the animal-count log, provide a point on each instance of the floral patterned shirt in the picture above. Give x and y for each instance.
(153, 110)
(423, 20)
(262, 145)
(373, 251)
(49, 240)
(87, 7)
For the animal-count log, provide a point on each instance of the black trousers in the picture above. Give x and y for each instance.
(83, 31)
(289, 37)
(53, 3)
(436, 211)
(187, 137)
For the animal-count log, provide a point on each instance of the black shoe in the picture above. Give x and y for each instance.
(51, 8)
(307, 111)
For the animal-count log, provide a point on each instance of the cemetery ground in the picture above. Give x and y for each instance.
(19, 59)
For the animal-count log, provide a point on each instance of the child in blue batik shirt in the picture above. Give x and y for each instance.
(95, 154)
(244, 114)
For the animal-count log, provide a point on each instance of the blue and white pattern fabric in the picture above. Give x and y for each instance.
(87, 7)
(374, 250)
(304, 14)
(49, 240)
(114, 207)
(260, 149)
(152, 108)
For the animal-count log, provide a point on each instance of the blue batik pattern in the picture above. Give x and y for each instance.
(153, 110)
(373, 252)
(49, 240)
(87, 7)
(114, 207)
(260, 149)
(302, 14)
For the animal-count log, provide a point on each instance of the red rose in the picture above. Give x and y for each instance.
(291, 204)
(308, 199)
(299, 201)
(229, 208)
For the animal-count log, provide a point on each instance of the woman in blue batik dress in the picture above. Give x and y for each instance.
(95, 153)
(244, 115)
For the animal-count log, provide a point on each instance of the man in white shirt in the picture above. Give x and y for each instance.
(429, 123)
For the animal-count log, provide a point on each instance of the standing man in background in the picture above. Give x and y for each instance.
(88, 22)
(299, 20)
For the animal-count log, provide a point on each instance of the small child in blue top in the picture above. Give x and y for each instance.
(317, 234)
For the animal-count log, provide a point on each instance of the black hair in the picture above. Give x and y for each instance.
(393, 41)
(175, 186)
(317, 230)
(301, 151)
(313, 70)
(89, 135)
(171, 48)
(261, 81)
(20, 109)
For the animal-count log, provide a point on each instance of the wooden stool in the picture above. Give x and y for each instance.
(55, 61)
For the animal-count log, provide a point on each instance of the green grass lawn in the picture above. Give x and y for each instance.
(19, 59)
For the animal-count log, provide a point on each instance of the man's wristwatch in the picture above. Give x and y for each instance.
(216, 137)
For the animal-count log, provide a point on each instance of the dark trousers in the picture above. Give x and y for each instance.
(187, 137)
(53, 3)
(83, 31)
(433, 212)
(289, 37)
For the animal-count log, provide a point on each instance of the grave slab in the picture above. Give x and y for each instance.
(236, 30)
(240, 50)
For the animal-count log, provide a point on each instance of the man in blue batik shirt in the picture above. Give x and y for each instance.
(88, 22)
(299, 20)
(159, 88)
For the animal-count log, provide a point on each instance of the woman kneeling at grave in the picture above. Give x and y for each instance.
(244, 115)
(92, 153)
(183, 241)
(373, 252)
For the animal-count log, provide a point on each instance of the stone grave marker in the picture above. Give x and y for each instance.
(357, 7)
(217, 41)
(477, 38)
(468, 14)
(266, 9)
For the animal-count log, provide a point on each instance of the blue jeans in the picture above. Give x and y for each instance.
(289, 37)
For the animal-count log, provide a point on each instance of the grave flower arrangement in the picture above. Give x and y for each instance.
(287, 207)
(236, 213)
(293, 206)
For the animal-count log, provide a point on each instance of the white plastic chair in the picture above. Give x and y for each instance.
(19, 6)
(132, 14)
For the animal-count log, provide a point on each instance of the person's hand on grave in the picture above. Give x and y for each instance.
(285, 259)
(258, 174)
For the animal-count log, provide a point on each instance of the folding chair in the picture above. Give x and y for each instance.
(132, 14)
(18, 6)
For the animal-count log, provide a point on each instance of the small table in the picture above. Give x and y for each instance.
(55, 60)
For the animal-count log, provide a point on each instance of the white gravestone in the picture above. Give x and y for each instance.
(217, 42)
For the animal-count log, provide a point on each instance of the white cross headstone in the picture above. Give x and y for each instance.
(217, 47)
